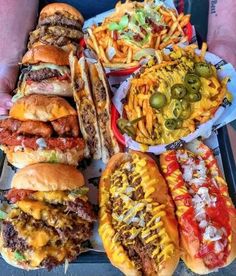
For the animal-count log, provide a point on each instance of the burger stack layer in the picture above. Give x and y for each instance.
(48, 217)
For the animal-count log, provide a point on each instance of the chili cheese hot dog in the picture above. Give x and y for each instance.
(205, 211)
(137, 222)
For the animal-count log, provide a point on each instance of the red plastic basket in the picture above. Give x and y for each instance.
(114, 113)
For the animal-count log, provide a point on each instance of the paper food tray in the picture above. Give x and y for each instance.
(225, 113)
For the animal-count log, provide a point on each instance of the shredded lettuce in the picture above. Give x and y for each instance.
(113, 26)
(18, 256)
(124, 21)
(140, 17)
(53, 158)
(17, 96)
(3, 214)
(80, 191)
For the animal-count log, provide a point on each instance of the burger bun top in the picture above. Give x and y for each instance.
(47, 54)
(41, 108)
(61, 7)
(48, 177)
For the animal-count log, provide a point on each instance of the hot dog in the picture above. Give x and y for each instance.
(205, 212)
(137, 223)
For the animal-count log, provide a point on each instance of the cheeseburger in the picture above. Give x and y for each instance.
(41, 129)
(51, 217)
(59, 24)
(46, 72)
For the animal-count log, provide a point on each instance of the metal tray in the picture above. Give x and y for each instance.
(97, 264)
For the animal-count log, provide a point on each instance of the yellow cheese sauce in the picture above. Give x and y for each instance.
(44, 225)
(151, 130)
(134, 214)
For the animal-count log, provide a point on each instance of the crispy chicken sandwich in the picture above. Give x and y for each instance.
(46, 72)
(50, 218)
(59, 24)
(41, 129)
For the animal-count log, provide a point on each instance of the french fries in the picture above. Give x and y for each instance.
(126, 51)
(171, 69)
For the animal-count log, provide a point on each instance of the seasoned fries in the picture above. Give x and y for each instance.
(126, 36)
(174, 97)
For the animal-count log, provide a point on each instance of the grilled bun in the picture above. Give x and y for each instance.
(8, 257)
(47, 54)
(41, 108)
(48, 177)
(155, 190)
(61, 7)
(21, 159)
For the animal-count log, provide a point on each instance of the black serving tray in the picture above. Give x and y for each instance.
(97, 264)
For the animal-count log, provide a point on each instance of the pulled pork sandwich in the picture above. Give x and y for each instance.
(137, 222)
(47, 72)
(41, 129)
(51, 217)
(91, 94)
(59, 24)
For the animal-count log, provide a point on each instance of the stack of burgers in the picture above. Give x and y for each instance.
(51, 217)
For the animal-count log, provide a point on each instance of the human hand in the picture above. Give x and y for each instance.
(8, 76)
(225, 50)
(221, 39)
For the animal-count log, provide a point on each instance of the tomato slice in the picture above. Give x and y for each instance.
(15, 195)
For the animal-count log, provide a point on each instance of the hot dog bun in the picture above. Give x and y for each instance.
(191, 239)
(154, 192)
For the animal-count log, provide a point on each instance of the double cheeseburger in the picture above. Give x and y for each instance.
(41, 129)
(51, 217)
(46, 72)
(59, 24)
(92, 97)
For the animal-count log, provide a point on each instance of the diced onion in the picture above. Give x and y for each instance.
(66, 266)
(144, 53)
(203, 224)
(211, 234)
(218, 247)
(41, 143)
(111, 52)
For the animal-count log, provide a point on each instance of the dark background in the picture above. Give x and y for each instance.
(97, 264)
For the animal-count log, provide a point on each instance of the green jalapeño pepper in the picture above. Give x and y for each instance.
(203, 69)
(192, 82)
(178, 91)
